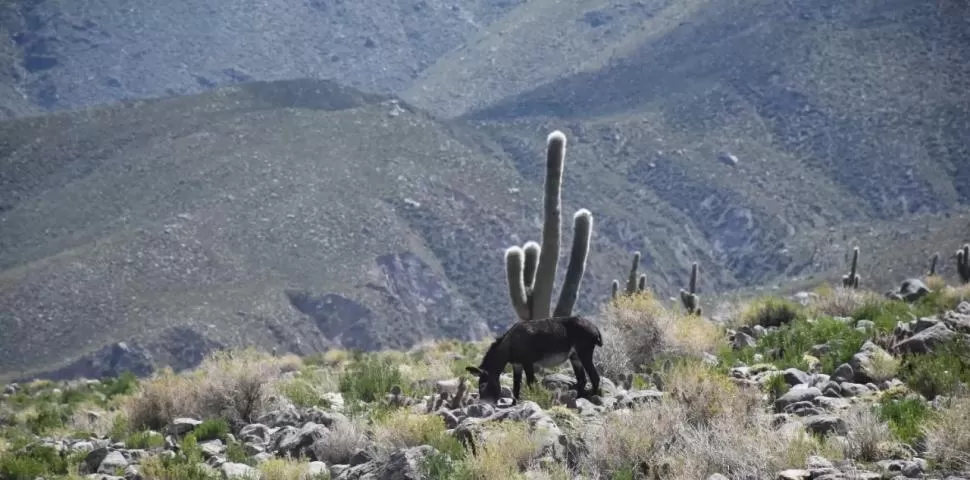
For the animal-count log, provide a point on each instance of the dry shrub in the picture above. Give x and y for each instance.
(841, 302)
(509, 447)
(934, 282)
(231, 385)
(882, 366)
(92, 419)
(948, 435)
(951, 296)
(341, 441)
(637, 330)
(284, 469)
(705, 425)
(869, 438)
(707, 394)
(404, 429)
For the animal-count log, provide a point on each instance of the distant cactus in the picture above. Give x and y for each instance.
(963, 263)
(689, 297)
(852, 279)
(936, 257)
(634, 283)
(531, 270)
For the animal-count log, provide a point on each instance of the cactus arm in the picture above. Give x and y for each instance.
(532, 251)
(631, 282)
(513, 273)
(552, 197)
(614, 289)
(582, 232)
(642, 283)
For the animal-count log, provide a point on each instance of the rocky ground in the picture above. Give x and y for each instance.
(832, 384)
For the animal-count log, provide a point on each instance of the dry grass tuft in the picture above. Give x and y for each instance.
(948, 435)
(405, 429)
(869, 437)
(637, 330)
(840, 301)
(342, 440)
(228, 384)
(284, 469)
(675, 440)
(508, 448)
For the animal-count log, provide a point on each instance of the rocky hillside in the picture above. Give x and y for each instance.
(841, 386)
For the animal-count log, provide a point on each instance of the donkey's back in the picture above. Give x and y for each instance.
(550, 341)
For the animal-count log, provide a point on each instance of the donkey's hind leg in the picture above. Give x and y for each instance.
(578, 372)
(586, 358)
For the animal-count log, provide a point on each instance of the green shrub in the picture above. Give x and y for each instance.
(28, 463)
(369, 378)
(49, 416)
(213, 429)
(145, 440)
(940, 372)
(786, 346)
(906, 417)
(771, 312)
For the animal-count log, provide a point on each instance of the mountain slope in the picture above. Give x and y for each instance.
(83, 53)
(220, 212)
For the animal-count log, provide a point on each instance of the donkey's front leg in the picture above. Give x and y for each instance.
(578, 372)
(516, 383)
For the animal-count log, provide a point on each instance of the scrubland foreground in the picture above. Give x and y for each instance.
(841, 384)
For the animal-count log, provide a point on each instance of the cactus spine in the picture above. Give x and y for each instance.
(531, 270)
(963, 263)
(689, 297)
(852, 279)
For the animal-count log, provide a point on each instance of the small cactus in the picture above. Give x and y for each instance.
(852, 279)
(634, 283)
(689, 297)
(936, 257)
(963, 263)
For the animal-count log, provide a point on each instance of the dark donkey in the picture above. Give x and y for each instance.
(548, 342)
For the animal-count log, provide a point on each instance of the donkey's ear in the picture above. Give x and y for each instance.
(474, 370)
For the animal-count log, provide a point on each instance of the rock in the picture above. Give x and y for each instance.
(794, 376)
(798, 393)
(238, 470)
(255, 433)
(742, 340)
(316, 469)
(825, 424)
(911, 290)
(297, 442)
(112, 462)
(843, 373)
(181, 426)
(924, 341)
(793, 474)
(728, 159)
(402, 465)
(864, 363)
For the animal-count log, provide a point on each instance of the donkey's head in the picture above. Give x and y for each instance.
(489, 388)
